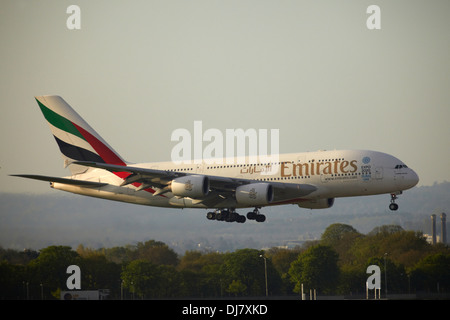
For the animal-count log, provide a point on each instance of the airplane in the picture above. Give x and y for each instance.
(310, 179)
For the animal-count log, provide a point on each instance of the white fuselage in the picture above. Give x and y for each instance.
(339, 173)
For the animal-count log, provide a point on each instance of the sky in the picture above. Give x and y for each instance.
(138, 70)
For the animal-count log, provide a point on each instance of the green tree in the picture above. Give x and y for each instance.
(352, 279)
(18, 257)
(213, 278)
(341, 237)
(99, 273)
(12, 281)
(336, 232)
(386, 229)
(169, 284)
(192, 284)
(120, 254)
(236, 287)
(50, 268)
(247, 266)
(146, 280)
(192, 260)
(155, 252)
(201, 274)
(402, 247)
(141, 279)
(316, 268)
(432, 272)
(281, 260)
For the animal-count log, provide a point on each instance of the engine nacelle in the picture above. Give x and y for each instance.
(254, 194)
(317, 203)
(190, 186)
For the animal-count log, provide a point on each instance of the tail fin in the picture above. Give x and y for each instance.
(75, 138)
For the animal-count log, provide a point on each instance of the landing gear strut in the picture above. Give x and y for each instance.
(393, 206)
(230, 215)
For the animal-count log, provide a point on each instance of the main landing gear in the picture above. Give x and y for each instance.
(255, 215)
(393, 206)
(230, 215)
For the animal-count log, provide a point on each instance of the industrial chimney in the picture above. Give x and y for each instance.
(443, 228)
(433, 228)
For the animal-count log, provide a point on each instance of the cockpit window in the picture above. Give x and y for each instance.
(400, 166)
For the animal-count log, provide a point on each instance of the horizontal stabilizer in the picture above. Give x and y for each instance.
(119, 168)
(80, 183)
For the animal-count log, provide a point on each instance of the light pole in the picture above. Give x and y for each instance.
(132, 292)
(385, 275)
(265, 273)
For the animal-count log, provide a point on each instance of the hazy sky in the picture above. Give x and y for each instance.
(138, 70)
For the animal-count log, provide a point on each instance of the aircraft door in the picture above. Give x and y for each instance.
(378, 174)
(200, 168)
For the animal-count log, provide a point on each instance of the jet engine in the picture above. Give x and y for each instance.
(190, 186)
(317, 203)
(254, 194)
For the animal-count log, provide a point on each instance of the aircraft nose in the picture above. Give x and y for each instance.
(406, 179)
(412, 178)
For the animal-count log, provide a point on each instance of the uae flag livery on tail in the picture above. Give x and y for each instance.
(75, 137)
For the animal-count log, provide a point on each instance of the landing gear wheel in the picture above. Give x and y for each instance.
(251, 215)
(228, 215)
(231, 217)
(260, 218)
(393, 206)
(255, 215)
(220, 216)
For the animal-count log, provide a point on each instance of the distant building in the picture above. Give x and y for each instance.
(429, 238)
(443, 227)
(434, 238)
(433, 229)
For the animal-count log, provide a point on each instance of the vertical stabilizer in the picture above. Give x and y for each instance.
(76, 139)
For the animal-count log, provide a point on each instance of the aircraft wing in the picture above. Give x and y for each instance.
(221, 187)
(154, 177)
(80, 183)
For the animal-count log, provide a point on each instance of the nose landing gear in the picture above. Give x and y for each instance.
(393, 206)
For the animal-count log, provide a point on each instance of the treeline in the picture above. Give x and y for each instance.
(335, 264)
